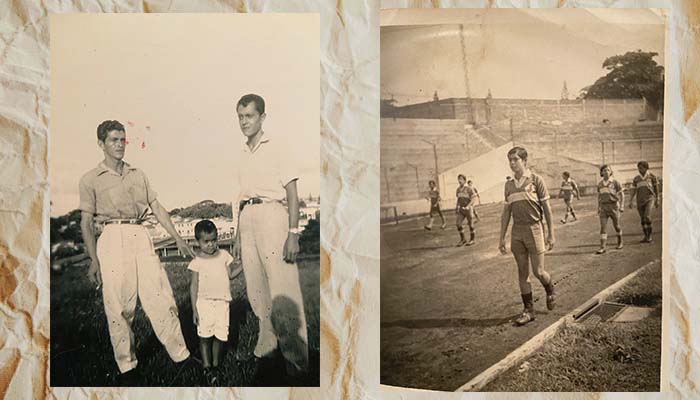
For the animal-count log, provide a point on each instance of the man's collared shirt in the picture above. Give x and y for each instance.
(646, 187)
(264, 171)
(106, 194)
(609, 191)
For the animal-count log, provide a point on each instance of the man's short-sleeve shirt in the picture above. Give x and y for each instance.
(107, 195)
(264, 171)
(646, 187)
(525, 197)
(609, 192)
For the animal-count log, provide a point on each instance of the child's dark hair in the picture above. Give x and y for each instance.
(566, 174)
(469, 182)
(643, 164)
(431, 181)
(106, 127)
(602, 167)
(519, 151)
(204, 226)
(461, 176)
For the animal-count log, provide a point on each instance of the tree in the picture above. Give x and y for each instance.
(632, 75)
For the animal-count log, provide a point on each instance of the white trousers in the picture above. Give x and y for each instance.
(272, 284)
(130, 269)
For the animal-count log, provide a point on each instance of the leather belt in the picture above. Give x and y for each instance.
(254, 200)
(133, 221)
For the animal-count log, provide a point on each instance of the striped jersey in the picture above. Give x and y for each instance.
(646, 187)
(434, 195)
(525, 197)
(609, 191)
(568, 187)
(464, 195)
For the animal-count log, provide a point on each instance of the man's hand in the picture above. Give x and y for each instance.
(550, 242)
(195, 316)
(291, 248)
(184, 248)
(502, 247)
(94, 274)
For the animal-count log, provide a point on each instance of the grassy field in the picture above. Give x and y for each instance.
(598, 356)
(447, 312)
(81, 352)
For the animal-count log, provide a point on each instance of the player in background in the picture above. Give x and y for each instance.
(611, 200)
(476, 193)
(434, 199)
(465, 200)
(647, 191)
(567, 190)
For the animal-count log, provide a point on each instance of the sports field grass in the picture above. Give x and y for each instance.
(81, 353)
(598, 356)
(447, 312)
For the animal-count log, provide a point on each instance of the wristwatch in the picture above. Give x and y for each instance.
(296, 231)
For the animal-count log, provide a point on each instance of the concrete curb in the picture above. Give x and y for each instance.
(529, 347)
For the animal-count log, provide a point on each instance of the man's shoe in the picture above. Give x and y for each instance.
(600, 251)
(129, 378)
(461, 243)
(562, 221)
(619, 246)
(526, 317)
(469, 243)
(210, 376)
(443, 226)
(550, 302)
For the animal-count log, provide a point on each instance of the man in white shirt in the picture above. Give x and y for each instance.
(267, 238)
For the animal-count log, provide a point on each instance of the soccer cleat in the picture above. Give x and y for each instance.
(525, 317)
(619, 246)
(600, 251)
(550, 302)
(461, 243)
(443, 226)
(563, 221)
(428, 228)
(469, 243)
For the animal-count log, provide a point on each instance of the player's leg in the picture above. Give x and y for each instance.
(615, 216)
(442, 217)
(566, 213)
(537, 249)
(470, 224)
(647, 217)
(641, 211)
(430, 221)
(571, 209)
(603, 232)
(476, 214)
(460, 228)
(519, 250)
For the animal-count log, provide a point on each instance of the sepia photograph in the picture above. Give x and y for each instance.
(522, 165)
(185, 200)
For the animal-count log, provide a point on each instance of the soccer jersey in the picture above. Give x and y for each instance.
(609, 192)
(525, 197)
(434, 196)
(464, 195)
(646, 187)
(567, 187)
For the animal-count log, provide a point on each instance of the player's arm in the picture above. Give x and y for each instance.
(194, 287)
(87, 231)
(655, 186)
(622, 198)
(547, 209)
(634, 192)
(578, 194)
(505, 220)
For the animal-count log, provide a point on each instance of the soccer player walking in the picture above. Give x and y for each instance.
(434, 199)
(567, 191)
(611, 200)
(647, 191)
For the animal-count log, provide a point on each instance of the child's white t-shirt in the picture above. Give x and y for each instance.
(213, 276)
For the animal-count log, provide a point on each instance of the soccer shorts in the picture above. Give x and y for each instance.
(611, 210)
(213, 318)
(435, 209)
(527, 239)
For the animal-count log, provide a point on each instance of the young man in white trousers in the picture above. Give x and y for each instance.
(267, 238)
(123, 262)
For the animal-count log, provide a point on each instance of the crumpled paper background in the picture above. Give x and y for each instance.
(350, 188)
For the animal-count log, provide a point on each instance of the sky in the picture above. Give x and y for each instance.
(173, 81)
(514, 53)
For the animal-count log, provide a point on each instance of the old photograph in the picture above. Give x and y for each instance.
(185, 200)
(521, 199)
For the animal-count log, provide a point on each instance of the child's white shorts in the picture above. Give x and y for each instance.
(213, 318)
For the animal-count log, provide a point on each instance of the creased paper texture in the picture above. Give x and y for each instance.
(350, 188)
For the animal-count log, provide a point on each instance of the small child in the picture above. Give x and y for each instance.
(611, 200)
(211, 269)
(434, 199)
(647, 191)
(567, 189)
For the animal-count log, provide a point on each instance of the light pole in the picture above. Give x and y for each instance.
(437, 173)
(386, 181)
